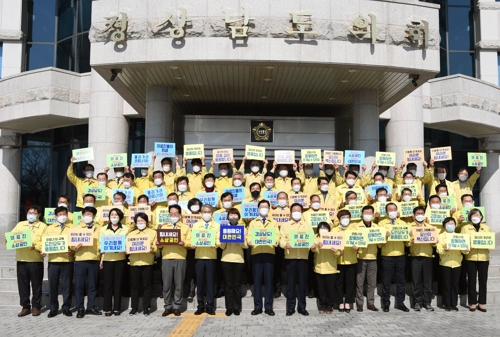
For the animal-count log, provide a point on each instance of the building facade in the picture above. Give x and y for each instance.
(119, 75)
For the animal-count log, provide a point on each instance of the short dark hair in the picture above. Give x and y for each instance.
(65, 197)
(92, 210)
(158, 171)
(172, 194)
(264, 201)
(296, 204)
(380, 189)
(193, 201)
(129, 175)
(323, 224)
(208, 176)
(60, 209)
(418, 208)
(89, 195)
(313, 195)
(254, 184)
(121, 194)
(343, 212)
(234, 210)
(450, 218)
(36, 208)
(408, 172)
(141, 215)
(183, 178)
(320, 179)
(348, 193)
(102, 174)
(434, 196)
(406, 189)
(118, 212)
(465, 195)
(379, 174)
(351, 172)
(438, 186)
(87, 165)
(389, 204)
(166, 159)
(177, 207)
(367, 207)
(475, 211)
(268, 174)
(294, 179)
(225, 195)
(143, 196)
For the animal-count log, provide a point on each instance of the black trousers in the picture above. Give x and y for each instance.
(296, 270)
(326, 291)
(263, 271)
(421, 279)
(232, 278)
(450, 280)
(140, 274)
(190, 278)
(463, 278)
(392, 264)
(205, 276)
(113, 276)
(30, 275)
(311, 279)
(345, 285)
(278, 267)
(86, 272)
(60, 272)
(218, 271)
(477, 270)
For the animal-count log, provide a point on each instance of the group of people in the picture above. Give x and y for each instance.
(336, 277)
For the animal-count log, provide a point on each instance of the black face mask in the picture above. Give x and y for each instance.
(233, 221)
(255, 194)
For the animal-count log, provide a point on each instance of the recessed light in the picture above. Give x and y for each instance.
(178, 78)
(174, 67)
(345, 81)
(269, 67)
(263, 97)
(186, 95)
(352, 70)
(267, 79)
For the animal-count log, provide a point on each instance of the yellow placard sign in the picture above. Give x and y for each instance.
(437, 216)
(425, 235)
(385, 158)
(302, 198)
(54, 244)
(332, 211)
(222, 155)
(482, 240)
(284, 157)
(376, 235)
(255, 152)
(280, 216)
(406, 208)
(400, 233)
(355, 211)
(456, 241)
(413, 155)
(133, 210)
(412, 187)
(333, 240)
(314, 218)
(83, 236)
(358, 238)
(333, 157)
(138, 244)
(441, 153)
(193, 151)
(311, 156)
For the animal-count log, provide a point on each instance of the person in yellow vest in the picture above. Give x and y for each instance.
(359, 181)
(326, 271)
(295, 261)
(117, 182)
(347, 261)
(283, 182)
(128, 184)
(315, 202)
(421, 264)
(113, 264)
(419, 181)
(407, 196)
(102, 181)
(349, 185)
(81, 183)
(478, 261)
(29, 263)
(262, 260)
(205, 258)
(450, 265)
(464, 184)
(159, 182)
(269, 182)
(309, 180)
(296, 187)
(367, 265)
(331, 172)
(467, 201)
(226, 202)
(141, 265)
(327, 196)
(255, 176)
(381, 197)
(393, 260)
(196, 176)
(63, 201)
(440, 178)
(435, 203)
(384, 171)
(169, 178)
(60, 264)
(183, 189)
(141, 178)
(87, 260)
(232, 264)
(174, 262)
(223, 181)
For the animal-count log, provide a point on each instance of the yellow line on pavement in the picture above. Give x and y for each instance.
(190, 323)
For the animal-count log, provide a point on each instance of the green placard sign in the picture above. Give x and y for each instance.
(99, 192)
(476, 159)
(264, 236)
(18, 239)
(203, 237)
(49, 216)
(301, 238)
(77, 216)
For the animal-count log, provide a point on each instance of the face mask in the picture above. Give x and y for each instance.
(468, 204)
(114, 221)
(89, 174)
(31, 218)
(441, 176)
(475, 220)
(158, 181)
(174, 220)
(329, 172)
(196, 168)
(296, 188)
(101, 183)
(88, 204)
(463, 177)
(223, 173)
(142, 204)
(227, 204)
(296, 216)
(345, 222)
(392, 215)
(209, 184)
(172, 202)
(206, 217)
(282, 203)
(166, 168)
(195, 208)
(378, 182)
(384, 172)
(367, 217)
(408, 181)
(353, 202)
(350, 182)
(62, 205)
(414, 172)
(119, 174)
(444, 194)
(407, 198)
(435, 206)
(269, 185)
(182, 188)
(118, 203)
(88, 219)
(62, 218)
(382, 199)
(255, 169)
(237, 183)
(144, 172)
(126, 184)
(450, 228)
(323, 231)
(255, 194)
(283, 173)
(141, 226)
(308, 172)
(419, 217)
(315, 205)
(264, 211)
(324, 188)
(233, 221)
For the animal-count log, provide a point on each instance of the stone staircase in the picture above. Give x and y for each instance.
(9, 297)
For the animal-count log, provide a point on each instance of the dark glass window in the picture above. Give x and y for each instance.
(65, 19)
(40, 56)
(42, 20)
(460, 32)
(461, 63)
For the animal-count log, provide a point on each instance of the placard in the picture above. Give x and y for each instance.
(381, 207)
(385, 158)
(280, 216)
(352, 157)
(448, 202)
(249, 210)
(264, 236)
(77, 217)
(300, 238)
(203, 237)
(105, 211)
(399, 233)
(413, 155)
(301, 198)
(237, 192)
(333, 240)
(156, 194)
(222, 155)
(456, 241)
(376, 235)
(112, 243)
(83, 236)
(372, 189)
(412, 187)
(133, 210)
(441, 153)
(482, 240)
(194, 151)
(284, 157)
(116, 160)
(164, 150)
(232, 234)
(84, 154)
(49, 216)
(425, 235)
(99, 192)
(437, 216)
(191, 219)
(331, 209)
(18, 239)
(358, 238)
(272, 196)
(406, 208)
(333, 157)
(129, 194)
(168, 236)
(476, 159)
(466, 210)
(54, 244)
(253, 152)
(355, 211)
(314, 218)
(210, 198)
(310, 156)
(162, 215)
(141, 160)
(221, 218)
(138, 244)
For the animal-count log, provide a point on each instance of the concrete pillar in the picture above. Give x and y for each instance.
(11, 35)
(10, 171)
(365, 124)
(343, 134)
(490, 181)
(108, 128)
(159, 116)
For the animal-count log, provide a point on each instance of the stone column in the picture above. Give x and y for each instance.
(365, 124)
(11, 36)
(10, 171)
(490, 181)
(159, 116)
(108, 128)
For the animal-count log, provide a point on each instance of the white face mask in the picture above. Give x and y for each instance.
(31, 218)
(89, 174)
(269, 185)
(101, 183)
(144, 172)
(345, 222)
(384, 172)
(441, 176)
(126, 184)
(158, 181)
(114, 221)
(206, 217)
(475, 220)
(296, 216)
(174, 220)
(435, 206)
(392, 215)
(408, 181)
(195, 208)
(88, 204)
(237, 183)
(118, 203)
(367, 217)
(353, 202)
(88, 219)
(444, 194)
(323, 231)
(283, 173)
(141, 226)
(308, 172)
(382, 199)
(329, 172)
(255, 169)
(450, 228)
(414, 172)
(264, 211)
(62, 205)
(62, 218)
(296, 188)
(227, 204)
(350, 182)
(282, 203)
(407, 198)
(141, 204)
(324, 188)
(223, 173)
(378, 182)
(209, 184)
(196, 168)
(119, 174)
(419, 217)
(315, 205)
(166, 168)
(182, 188)
(463, 177)
(172, 202)
(468, 204)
